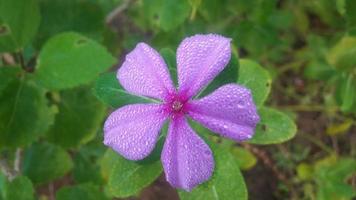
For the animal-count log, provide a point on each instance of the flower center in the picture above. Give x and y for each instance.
(177, 105)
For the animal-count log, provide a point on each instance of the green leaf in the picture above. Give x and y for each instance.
(82, 16)
(19, 188)
(109, 91)
(24, 114)
(228, 75)
(304, 171)
(166, 14)
(19, 20)
(3, 182)
(343, 54)
(274, 127)
(7, 74)
(170, 57)
(84, 192)
(345, 92)
(44, 162)
(70, 59)
(126, 178)
(331, 174)
(226, 182)
(319, 71)
(86, 171)
(79, 118)
(256, 78)
(245, 159)
(350, 8)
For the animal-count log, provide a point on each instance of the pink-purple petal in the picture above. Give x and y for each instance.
(200, 59)
(187, 160)
(145, 73)
(228, 111)
(132, 130)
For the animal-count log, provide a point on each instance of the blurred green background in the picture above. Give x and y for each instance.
(53, 51)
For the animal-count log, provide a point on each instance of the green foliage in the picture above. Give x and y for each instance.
(350, 9)
(226, 171)
(84, 191)
(170, 58)
(44, 162)
(82, 16)
(244, 158)
(109, 91)
(228, 75)
(274, 127)
(24, 103)
(19, 188)
(19, 21)
(127, 178)
(257, 79)
(166, 14)
(52, 51)
(78, 120)
(57, 64)
(330, 175)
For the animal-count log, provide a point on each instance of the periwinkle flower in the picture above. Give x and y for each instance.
(133, 130)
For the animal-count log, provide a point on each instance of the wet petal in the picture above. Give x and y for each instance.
(187, 160)
(200, 59)
(133, 130)
(144, 72)
(229, 111)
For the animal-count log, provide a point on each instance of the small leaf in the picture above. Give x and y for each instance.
(170, 58)
(126, 178)
(70, 59)
(109, 91)
(79, 118)
(304, 171)
(24, 114)
(345, 92)
(255, 78)
(44, 162)
(84, 192)
(226, 182)
(274, 127)
(336, 129)
(245, 159)
(19, 20)
(167, 14)
(343, 54)
(85, 170)
(19, 188)
(228, 75)
(331, 174)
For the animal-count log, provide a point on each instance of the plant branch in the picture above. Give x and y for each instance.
(6, 169)
(17, 162)
(117, 11)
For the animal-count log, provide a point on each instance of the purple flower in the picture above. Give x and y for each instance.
(133, 130)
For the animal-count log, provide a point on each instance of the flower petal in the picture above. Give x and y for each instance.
(186, 159)
(133, 130)
(200, 59)
(229, 111)
(144, 72)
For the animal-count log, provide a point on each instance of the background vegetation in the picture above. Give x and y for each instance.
(297, 56)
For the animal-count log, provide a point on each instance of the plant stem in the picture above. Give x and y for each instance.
(318, 143)
(17, 162)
